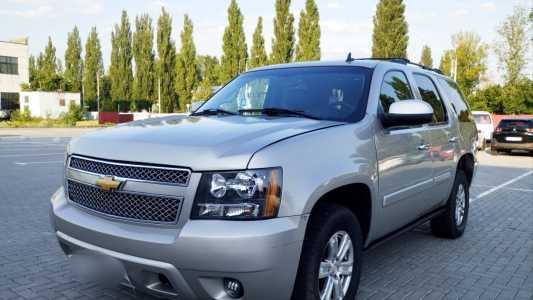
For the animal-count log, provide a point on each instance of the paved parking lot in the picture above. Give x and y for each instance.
(493, 260)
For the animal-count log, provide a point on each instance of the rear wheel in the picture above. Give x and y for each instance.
(452, 223)
(330, 264)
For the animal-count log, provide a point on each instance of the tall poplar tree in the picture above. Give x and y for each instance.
(73, 61)
(208, 68)
(390, 38)
(143, 53)
(283, 40)
(308, 47)
(186, 70)
(49, 60)
(258, 56)
(426, 58)
(93, 66)
(235, 51)
(166, 62)
(120, 70)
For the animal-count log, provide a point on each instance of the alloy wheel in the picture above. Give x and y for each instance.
(336, 267)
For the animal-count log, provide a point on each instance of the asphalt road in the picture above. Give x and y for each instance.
(493, 260)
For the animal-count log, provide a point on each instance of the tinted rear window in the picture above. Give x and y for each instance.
(516, 123)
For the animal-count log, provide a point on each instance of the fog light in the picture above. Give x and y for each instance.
(233, 288)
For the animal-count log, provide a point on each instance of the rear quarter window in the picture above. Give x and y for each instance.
(457, 100)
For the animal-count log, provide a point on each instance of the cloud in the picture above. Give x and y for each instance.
(29, 13)
(460, 12)
(488, 6)
(334, 5)
(160, 3)
(339, 27)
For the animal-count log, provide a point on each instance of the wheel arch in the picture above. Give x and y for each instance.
(357, 197)
(467, 164)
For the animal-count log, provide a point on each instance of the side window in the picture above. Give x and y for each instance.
(429, 94)
(395, 87)
(456, 98)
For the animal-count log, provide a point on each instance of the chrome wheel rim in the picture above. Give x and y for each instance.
(460, 205)
(336, 267)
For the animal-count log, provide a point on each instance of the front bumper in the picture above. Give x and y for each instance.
(195, 257)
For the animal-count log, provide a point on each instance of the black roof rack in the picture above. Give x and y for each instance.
(399, 60)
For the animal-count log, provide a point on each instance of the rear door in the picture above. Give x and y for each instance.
(442, 138)
(404, 161)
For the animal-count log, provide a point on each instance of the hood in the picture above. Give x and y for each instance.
(196, 142)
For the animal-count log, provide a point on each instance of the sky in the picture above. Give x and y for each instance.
(346, 24)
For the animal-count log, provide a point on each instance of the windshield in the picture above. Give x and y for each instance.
(327, 93)
(482, 119)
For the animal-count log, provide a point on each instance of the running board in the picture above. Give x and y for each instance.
(405, 228)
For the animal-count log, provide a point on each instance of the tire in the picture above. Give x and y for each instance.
(450, 224)
(326, 223)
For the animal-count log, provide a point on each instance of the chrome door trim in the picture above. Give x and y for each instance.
(442, 177)
(407, 191)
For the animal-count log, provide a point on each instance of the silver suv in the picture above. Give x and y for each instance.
(274, 186)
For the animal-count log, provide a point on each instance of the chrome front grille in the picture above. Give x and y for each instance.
(149, 208)
(132, 171)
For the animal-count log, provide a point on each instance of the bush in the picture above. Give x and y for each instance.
(74, 114)
(18, 116)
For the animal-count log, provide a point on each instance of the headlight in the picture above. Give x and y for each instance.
(250, 194)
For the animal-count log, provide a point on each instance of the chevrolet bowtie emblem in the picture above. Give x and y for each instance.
(108, 183)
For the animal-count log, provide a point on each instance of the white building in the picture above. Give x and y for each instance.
(14, 71)
(48, 104)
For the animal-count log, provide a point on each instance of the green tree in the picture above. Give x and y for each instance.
(120, 70)
(258, 56)
(166, 62)
(283, 40)
(73, 61)
(49, 59)
(308, 47)
(517, 98)
(446, 62)
(470, 55)
(208, 68)
(93, 67)
(426, 58)
(46, 73)
(32, 70)
(143, 53)
(513, 44)
(390, 38)
(186, 70)
(488, 99)
(235, 51)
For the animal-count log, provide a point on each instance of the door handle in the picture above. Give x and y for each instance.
(424, 147)
(453, 139)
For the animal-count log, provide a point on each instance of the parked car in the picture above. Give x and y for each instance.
(274, 187)
(484, 125)
(513, 134)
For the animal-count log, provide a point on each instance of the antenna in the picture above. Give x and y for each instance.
(349, 58)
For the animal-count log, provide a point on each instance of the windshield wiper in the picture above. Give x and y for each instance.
(274, 111)
(213, 112)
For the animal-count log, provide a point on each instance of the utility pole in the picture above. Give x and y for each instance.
(159, 93)
(454, 68)
(98, 94)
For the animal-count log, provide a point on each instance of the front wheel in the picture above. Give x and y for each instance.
(452, 223)
(330, 264)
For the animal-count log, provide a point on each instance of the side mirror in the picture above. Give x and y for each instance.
(195, 105)
(407, 113)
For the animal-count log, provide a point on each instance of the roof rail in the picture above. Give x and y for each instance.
(399, 60)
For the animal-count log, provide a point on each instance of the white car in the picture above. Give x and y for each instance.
(484, 125)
